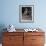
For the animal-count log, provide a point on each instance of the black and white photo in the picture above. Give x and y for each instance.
(26, 13)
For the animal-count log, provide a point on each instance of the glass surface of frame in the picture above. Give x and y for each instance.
(26, 13)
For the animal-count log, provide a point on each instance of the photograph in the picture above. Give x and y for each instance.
(26, 13)
(22, 23)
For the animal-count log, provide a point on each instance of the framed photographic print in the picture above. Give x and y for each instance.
(26, 13)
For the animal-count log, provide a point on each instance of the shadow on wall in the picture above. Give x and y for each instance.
(2, 26)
